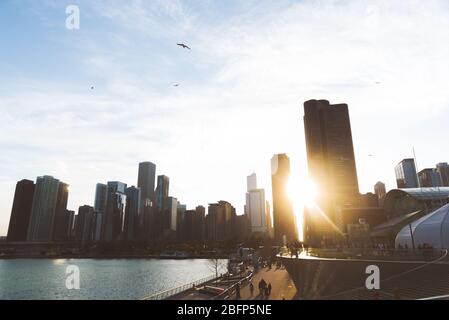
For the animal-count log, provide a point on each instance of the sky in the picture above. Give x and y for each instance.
(252, 65)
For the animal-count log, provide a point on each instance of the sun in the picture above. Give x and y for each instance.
(302, 191)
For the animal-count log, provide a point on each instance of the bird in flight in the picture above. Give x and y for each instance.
(92, 88)
(176, 85)
(370, 155)
(183, 46)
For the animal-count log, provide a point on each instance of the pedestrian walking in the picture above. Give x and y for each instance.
(251, 289)
(262, 287)
(269, 288)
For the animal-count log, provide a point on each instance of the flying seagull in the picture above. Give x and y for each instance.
(92, 88)
(176, 85)
(183, 46)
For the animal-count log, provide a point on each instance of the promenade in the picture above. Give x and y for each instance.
(281, 283)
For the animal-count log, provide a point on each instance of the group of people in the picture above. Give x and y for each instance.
(297, 247)
(264, 289)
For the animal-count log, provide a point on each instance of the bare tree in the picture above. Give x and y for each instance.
(216, 264)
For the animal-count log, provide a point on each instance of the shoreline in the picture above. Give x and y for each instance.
(110, 257)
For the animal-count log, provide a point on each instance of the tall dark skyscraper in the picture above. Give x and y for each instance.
(332, 167)
(198, 227)
(283, 216)
(162, 190)
(147, 210)
(101, 193)
(113, 219)
(21, 211)
(220, 222)
(48, 209)
(61, 217)
(131, 227)
(84, 226)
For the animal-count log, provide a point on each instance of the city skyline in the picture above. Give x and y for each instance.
(245, 90)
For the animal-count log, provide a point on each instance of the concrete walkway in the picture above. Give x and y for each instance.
(281, 283)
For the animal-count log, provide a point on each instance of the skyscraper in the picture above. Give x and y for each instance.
(283, 217)
(332, 167)
(406, 174)
(162, 190)
(50, 196)
(429, 177)
(251, 182)
(380, 191)
(61, 215)
(21, 211)
(131, 226)
(159, 219)
(198, 227)
(146, 181)
(330, 151)
(443, 170)
(256, 210)
(84, 223)
(146, 184)
(101, 193)
(113, 219)
(220, 222)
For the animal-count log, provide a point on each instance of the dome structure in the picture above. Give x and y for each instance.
(432, 229)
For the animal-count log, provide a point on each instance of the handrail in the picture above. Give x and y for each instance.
(364, 253)
(231, 288)
(171, 292)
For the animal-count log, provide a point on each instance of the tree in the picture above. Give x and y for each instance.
(216, 264)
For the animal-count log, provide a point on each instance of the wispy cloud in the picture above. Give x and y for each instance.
(251, 66)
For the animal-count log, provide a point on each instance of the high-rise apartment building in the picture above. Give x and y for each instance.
(21, 211)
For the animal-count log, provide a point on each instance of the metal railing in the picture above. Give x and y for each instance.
(171, 292)
(368, 253)
(225, 295)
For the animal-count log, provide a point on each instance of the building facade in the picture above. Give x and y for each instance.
(50, 195)
(331, 166)
(132, 212)
(21, 211)
(443, 170)
(406, 176)
(429, 177)
(113, 220)
(380, 191)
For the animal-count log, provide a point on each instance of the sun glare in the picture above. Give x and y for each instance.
(302, 192)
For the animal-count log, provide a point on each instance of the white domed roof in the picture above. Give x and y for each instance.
(432, 229)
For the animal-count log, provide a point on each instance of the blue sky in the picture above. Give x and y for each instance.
(252, 65)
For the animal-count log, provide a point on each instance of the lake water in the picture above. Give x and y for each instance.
(99, 279)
